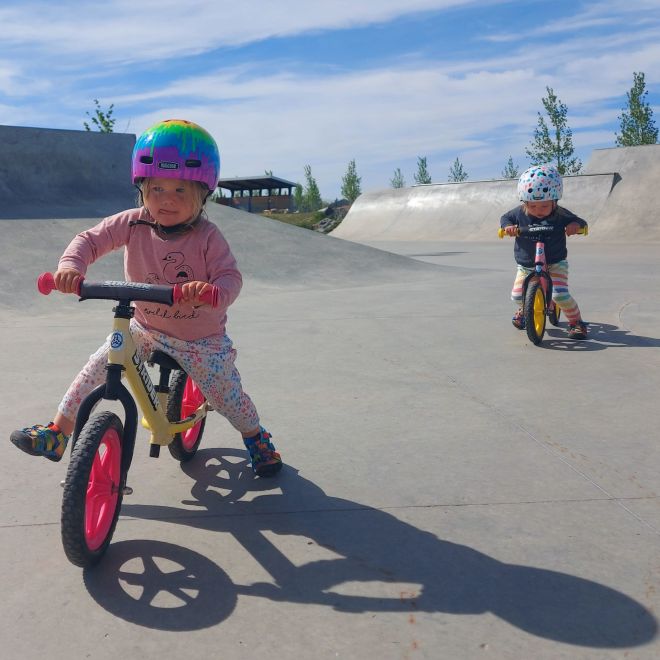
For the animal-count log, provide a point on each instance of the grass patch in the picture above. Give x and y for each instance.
(305, 220)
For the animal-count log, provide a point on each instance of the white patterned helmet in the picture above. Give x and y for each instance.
(540, 183)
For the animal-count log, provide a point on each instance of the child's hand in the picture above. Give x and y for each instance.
(511, 230)
(67, 280)
(191, 292)
(573, 228)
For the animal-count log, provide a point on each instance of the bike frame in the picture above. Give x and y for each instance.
(123, 360)
(541, 273)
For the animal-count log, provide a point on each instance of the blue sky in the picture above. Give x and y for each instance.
(282, 85)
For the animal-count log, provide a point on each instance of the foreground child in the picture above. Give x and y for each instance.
(167, 240)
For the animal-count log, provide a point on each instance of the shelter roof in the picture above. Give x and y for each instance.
(254, 183)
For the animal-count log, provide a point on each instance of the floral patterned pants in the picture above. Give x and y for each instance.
(208, 361)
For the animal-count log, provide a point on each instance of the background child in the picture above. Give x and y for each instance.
(539, 189)
(167, 240)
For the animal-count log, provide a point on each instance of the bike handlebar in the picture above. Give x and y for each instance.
(111, 290)
(537, 230)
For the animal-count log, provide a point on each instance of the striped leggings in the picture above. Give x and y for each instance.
(560, 293)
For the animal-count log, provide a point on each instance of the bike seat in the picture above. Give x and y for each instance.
(164, 360)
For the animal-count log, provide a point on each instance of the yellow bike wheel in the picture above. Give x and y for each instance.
(535, 312)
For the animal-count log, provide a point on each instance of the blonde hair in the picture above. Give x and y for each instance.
(525, 208)
(195, 191)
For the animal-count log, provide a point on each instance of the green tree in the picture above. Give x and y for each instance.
(103, 120)
(557, 147)
(311, 197)
(422, 175)
(298, 197)
(398, 181)
(457, 172)
(637, 125)
(350, 188)
(510, 170)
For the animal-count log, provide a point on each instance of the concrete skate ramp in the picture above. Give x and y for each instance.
(612, 194)
(271, 255)
(457, 211)
(52, 173)
(630, 213)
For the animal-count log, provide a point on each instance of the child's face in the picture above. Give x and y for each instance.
(170, 201)
(540, 209)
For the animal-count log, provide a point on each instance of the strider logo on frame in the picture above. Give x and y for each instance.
(116, 341)
(146, 381)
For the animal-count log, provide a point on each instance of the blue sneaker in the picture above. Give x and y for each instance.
(518, 320)
(266, 462)
(40, 440)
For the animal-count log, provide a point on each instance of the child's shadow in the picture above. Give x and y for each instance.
(348, 556)
(601, 336)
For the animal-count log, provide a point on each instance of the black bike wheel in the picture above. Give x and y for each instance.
(185, 397)
(534, 311)
(554, 314)
(93, 490)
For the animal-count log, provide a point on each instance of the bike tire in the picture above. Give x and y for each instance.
(535, 312)
(185, 397)
(554, 314)
(93, 490)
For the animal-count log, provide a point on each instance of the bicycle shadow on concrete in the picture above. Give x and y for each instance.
(366, 553)
(601, 337)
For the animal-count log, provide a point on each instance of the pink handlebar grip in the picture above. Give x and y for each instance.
(210, 297)
(46, 284)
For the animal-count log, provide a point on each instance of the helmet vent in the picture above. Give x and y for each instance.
(147, 160)
(193, 162)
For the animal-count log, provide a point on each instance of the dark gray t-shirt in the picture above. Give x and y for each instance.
(524, 250)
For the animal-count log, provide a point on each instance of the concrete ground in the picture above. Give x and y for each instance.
(450, 490)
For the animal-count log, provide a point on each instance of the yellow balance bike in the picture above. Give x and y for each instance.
(174, 411)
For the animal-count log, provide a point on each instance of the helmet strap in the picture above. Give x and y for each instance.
(168, 233)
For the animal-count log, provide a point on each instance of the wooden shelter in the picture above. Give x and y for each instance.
(257, 194)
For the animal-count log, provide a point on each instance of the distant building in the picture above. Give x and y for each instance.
(257, 194)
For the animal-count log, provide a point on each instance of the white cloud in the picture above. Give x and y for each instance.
(14, 84)
(593, 17)
(127, 31)
(386, 117)
(378, 117)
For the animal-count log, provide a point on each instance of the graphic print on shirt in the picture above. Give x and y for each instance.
(176, 271)
(152, 278)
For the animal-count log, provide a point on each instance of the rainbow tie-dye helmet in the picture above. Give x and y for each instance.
(177, 149)
(540, 183)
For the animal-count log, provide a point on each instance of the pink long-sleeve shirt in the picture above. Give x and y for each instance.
(200, 255)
